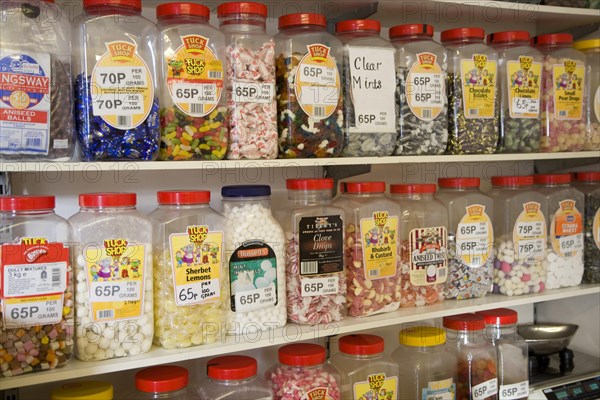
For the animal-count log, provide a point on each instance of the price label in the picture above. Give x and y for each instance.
(44, 310)
(522, 105)
(319, 286)
(515, 391)
(530, 229)
(426, 90)
(485, 389)
(318, 75)
(473, 230)
(118, 86)
(255, 299)
(115, 291)
(194, 93)
(253, 92)
(198, 292)
(529, 249)
(571, 243)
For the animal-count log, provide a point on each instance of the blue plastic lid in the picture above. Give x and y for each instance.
(246, 191)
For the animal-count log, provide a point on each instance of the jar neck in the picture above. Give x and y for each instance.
(243, 23)
(509, 44)
(359, 195)
(232, 382)
(358, 34)
(302, 28)
(412, 196)
(463, 41)
(553, 46)
(412, 38)
(310, 197)
(182, 19)
(107, 209)
(555, 185)
(465, 336)
(364, 356)
(182, 206)
(26, 213)
(111, 10)
(508, 332)
(459, 189)
(512, 187)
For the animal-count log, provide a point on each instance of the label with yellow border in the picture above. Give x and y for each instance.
(425, 87)
(196, 258)
(596, 228)
(439, 390)
(122, 86)
(524, 78)
(568, 80)
(566, 229)
(377, 386)
(379, 237)
(529, 234)
(115, 280)
(478, 77)
(474, 236)
(30, 311)
(319, 393)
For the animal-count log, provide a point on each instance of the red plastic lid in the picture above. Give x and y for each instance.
(508, 36)
(410, 188)
(229, 368)
(242, 7)
(302, 19)
(552, 38)
(26, 203)
(361, 345)
(176, 9)
(499, 316)
(362, 187)
(309, 184)
(588, 176)
(160, 379)
(135, 4)
(462, 33)
(411, 30)
(358, 25)
(552, 179)
(512, 180)
(107, 200)
(464, 322)
(459, 182)
(301, 354)
(183, 197)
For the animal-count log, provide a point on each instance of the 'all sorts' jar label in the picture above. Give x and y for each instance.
(195, 76)
(379, 245)
(566, 228)
(34, 278)
(428, 258)
(568, 79)
(320, 393)
(377, 386)
(115, 274)
(122, 86)
(439, 390)
(317, 82)
(24, 102)
(479, 86)
(425, 87)
(596, 228)
(524, 87)
(253, 276)
(373, 89)
(529, 234)
(196, 262)
(474, 237)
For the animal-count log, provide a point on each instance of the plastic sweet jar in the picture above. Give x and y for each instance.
(161, 382)
(477, 377)
(314, 248)
(303, 373)
(371, 248)
(250, 88)
(233, 378)
(309, 98)
(564, 94)
(113, 288)
(36, 324)
(423, 244)
(519, 80)
(366, 371)
(35, 46)
(116, 92)
(427, 366)
(564, 217)
(421, 98)
(189, 274)
(255, 256)
(369, 80)
(86, 390)
(193, 114)
(591, 48)
(470, 238)
(472, 81)
(520, 234)
(512, 353)
(589, 184)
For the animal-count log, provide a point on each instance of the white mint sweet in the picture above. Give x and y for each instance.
(515, 278)
(563, 271)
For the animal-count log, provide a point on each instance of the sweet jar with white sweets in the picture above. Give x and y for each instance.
(470, 237)
(314, 246)
(371, 248)
(250, 73)
(113, 252)
(520, 235)
(189, 273)
(254, 250)
(564, 213)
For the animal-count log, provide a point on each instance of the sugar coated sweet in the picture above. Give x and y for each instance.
(515, 277)
(563, 271)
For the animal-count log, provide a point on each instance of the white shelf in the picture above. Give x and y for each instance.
(290, 333)
(49, 167)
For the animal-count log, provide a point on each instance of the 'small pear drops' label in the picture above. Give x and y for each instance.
(569, 81)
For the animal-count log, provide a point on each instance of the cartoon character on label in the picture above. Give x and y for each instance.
(105, 270)
(135, 268)
(188, 255)
(179, 258)
(94, 272)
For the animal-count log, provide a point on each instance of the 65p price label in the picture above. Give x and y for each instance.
(485, 389)
(21, 312)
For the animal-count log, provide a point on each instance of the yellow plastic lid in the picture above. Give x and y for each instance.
(422, 336)
(88, 390)
(587, 44)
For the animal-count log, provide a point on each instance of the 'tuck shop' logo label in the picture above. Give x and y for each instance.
(121, 52)
(318, 52)
(197, 234)
(115, 247)
(380, 218)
